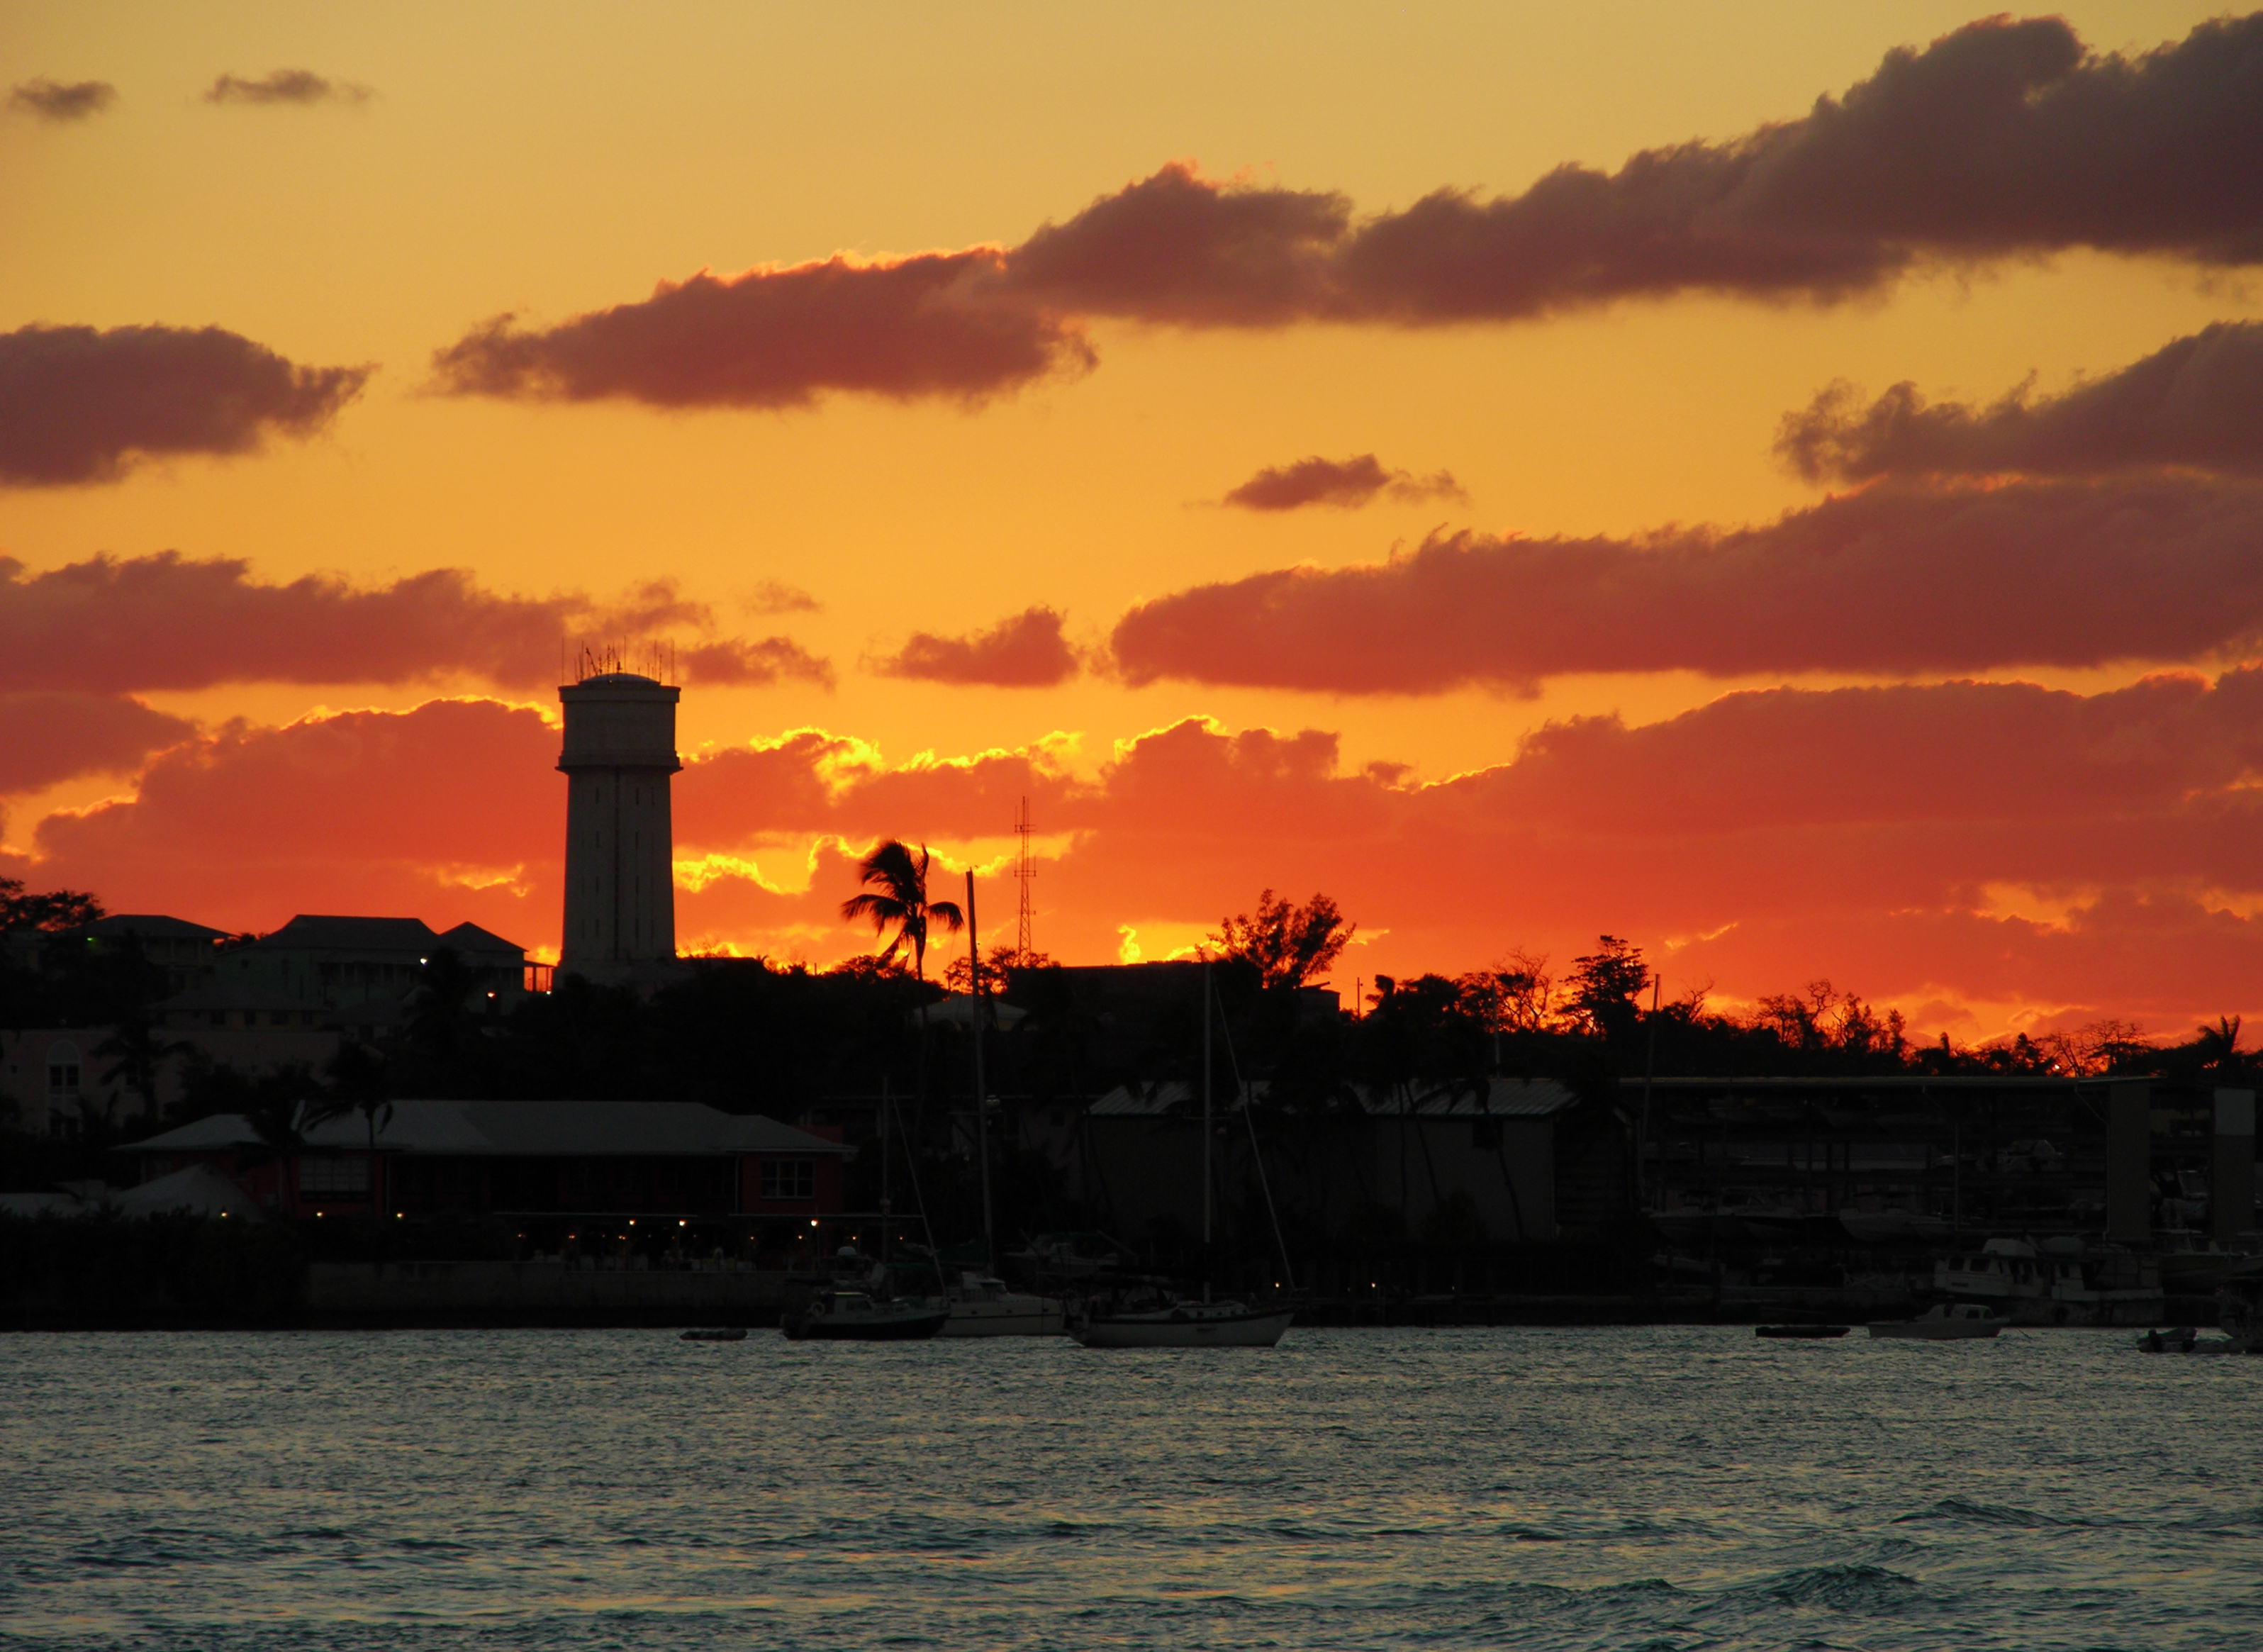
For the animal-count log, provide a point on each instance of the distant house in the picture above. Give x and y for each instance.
(528, 1159)
(1525, 1160)
(365, 964)
(52, 1076)
(187, 952)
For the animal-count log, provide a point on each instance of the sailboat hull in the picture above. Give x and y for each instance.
(1188, 1326)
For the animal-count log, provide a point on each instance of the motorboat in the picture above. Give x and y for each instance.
(1179, 1325)
(2061, 1282)
(980, 1306)
(858, 1317)
(1944, 1322)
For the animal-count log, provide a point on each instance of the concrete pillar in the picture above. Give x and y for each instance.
(618, 758)
(2129, 1161)
(2232, 1180)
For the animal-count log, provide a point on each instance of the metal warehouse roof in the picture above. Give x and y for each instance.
(525, 1129)
(1502, 1098)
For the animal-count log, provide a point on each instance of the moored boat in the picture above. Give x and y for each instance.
(855, 1316)
(1174, 1324)
(980, 1306)
(1944, 1322)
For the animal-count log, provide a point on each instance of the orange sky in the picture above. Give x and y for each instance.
(1939, 729)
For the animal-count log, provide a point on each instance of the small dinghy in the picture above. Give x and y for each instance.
(717, 1333)
(1800, 1333)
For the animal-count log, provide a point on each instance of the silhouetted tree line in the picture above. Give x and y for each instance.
(751, 1035)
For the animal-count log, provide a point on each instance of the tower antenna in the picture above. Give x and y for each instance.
(1024, 871)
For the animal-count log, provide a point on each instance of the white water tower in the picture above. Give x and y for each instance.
(618, 758)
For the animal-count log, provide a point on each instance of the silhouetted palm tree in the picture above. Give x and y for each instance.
(897, 895)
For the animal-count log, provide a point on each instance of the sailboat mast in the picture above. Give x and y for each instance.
(1207, 1130)
(982, 1092)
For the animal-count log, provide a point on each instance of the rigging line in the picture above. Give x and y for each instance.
(911, 1161)
(1256, 1152)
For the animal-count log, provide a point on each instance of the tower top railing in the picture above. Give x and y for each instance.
(653, 660)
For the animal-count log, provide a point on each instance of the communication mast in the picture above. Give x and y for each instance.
(1024, 871)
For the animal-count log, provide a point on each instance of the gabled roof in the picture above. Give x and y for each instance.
(470, 937)
(156, 925)
(354, 934)
(523, 1130)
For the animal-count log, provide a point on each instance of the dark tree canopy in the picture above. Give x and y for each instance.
(1288, 945)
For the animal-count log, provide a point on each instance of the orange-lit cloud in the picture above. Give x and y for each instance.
(1025, 650)
(79, 405)
(452, 808)
(772, 659)
(1344, 483)
(931, 325)
(57, 736)
(2002, 139)
(2197, 403)
(130, 625)
(1903, 580)
(1996, 841)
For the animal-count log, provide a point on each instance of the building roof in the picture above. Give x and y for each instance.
(354, 934)
(525, 1129)
(1503, 1099)
(470, 937)
(242, 995)
(155, 925)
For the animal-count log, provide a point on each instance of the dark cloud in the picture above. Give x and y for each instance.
(1024, 651)
(58, 100)
(932, 325)
(112, 625)
(2196, 403)
(79, 406)
(285, 86)
(1897, 579)
(766, 661)
(2005, 139)
(52, 737)
(1346, 483)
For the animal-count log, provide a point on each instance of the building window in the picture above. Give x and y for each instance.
(334, 1174)
(789, 1178)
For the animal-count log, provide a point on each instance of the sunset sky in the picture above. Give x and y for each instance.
(1782, 484)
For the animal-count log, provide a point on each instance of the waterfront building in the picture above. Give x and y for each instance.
(543, 1160)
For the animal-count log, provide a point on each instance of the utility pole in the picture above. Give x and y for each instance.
(1205, 1196)
(1649, 1077)
(982, 1092)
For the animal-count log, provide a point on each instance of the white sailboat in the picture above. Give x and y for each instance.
(981, 1306)
(1178, 1324)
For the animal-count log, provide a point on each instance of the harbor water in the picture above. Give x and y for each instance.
(1663, 1487)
